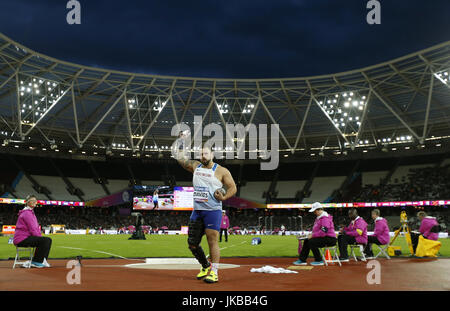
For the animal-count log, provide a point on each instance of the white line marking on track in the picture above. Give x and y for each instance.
(101, 252)
(207, 256)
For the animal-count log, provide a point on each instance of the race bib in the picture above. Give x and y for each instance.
(201, 194)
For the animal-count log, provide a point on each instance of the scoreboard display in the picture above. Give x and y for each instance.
(175, 198)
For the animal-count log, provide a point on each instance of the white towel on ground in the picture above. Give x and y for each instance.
(270, 269)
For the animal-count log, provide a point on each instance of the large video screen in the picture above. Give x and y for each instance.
(167, 198)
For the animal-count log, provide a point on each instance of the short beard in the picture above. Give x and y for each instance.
(206, 163)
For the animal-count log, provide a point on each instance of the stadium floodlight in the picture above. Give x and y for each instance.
(159, 105)
(384, 140)
(132, 102)
(404, 139)
(248, 108)
(364, 142)
(345, 110)
(443, 76)
(37, 95)
(118, 146)
(223, 108)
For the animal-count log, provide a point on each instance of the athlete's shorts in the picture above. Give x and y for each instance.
(211, 219)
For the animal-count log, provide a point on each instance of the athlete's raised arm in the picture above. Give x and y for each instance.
(188, 164)
(183, 159)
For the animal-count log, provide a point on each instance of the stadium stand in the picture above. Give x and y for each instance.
(419, 178)
(254, 191)
(373, 178)
(419, 183)
(288, 189)
(111, 218)
(322, 188)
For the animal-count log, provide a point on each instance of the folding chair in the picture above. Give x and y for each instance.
(29, 251)
(323, 251)
(361, 250)
(382, 251)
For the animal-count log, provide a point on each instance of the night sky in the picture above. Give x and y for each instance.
(227, 38)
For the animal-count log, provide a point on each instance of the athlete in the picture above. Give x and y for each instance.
(209, 180)
(155, 199)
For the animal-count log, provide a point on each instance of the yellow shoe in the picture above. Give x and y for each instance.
(212, 278)
(203, 273)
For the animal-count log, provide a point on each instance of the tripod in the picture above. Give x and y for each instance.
(405, 229)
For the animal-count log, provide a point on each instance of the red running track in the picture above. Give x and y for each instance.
(111, 275)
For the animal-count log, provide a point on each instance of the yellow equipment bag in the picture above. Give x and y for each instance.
(408, 240)
(394, 251)
(427, 248)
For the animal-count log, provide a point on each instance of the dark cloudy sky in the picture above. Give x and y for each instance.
(227, 38)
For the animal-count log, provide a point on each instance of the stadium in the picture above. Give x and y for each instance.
(91, 143)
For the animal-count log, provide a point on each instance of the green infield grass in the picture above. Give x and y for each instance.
(107, 246)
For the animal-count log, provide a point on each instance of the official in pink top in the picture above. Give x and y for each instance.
(27, 234)
(429, 229)
(322, 235)
(355, 233)
(380, 235)
(224, 225)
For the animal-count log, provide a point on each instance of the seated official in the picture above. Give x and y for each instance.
(27, 234)
(429, 229)
(355, 233)
(322, 235)
(380, 235)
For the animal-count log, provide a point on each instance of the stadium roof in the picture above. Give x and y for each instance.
(49, 102)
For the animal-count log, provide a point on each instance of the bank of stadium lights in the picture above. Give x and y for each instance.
(223, 108)
(132, 103)
(398, 139)
(248, 108)
(384, 140)
(118, 146)
(36, 96)
(402, 139)
(443, 76)
(345, 109)
(158, 148)
(364, 142)
(159, 105)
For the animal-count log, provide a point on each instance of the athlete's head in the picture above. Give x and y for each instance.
(207, 155)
